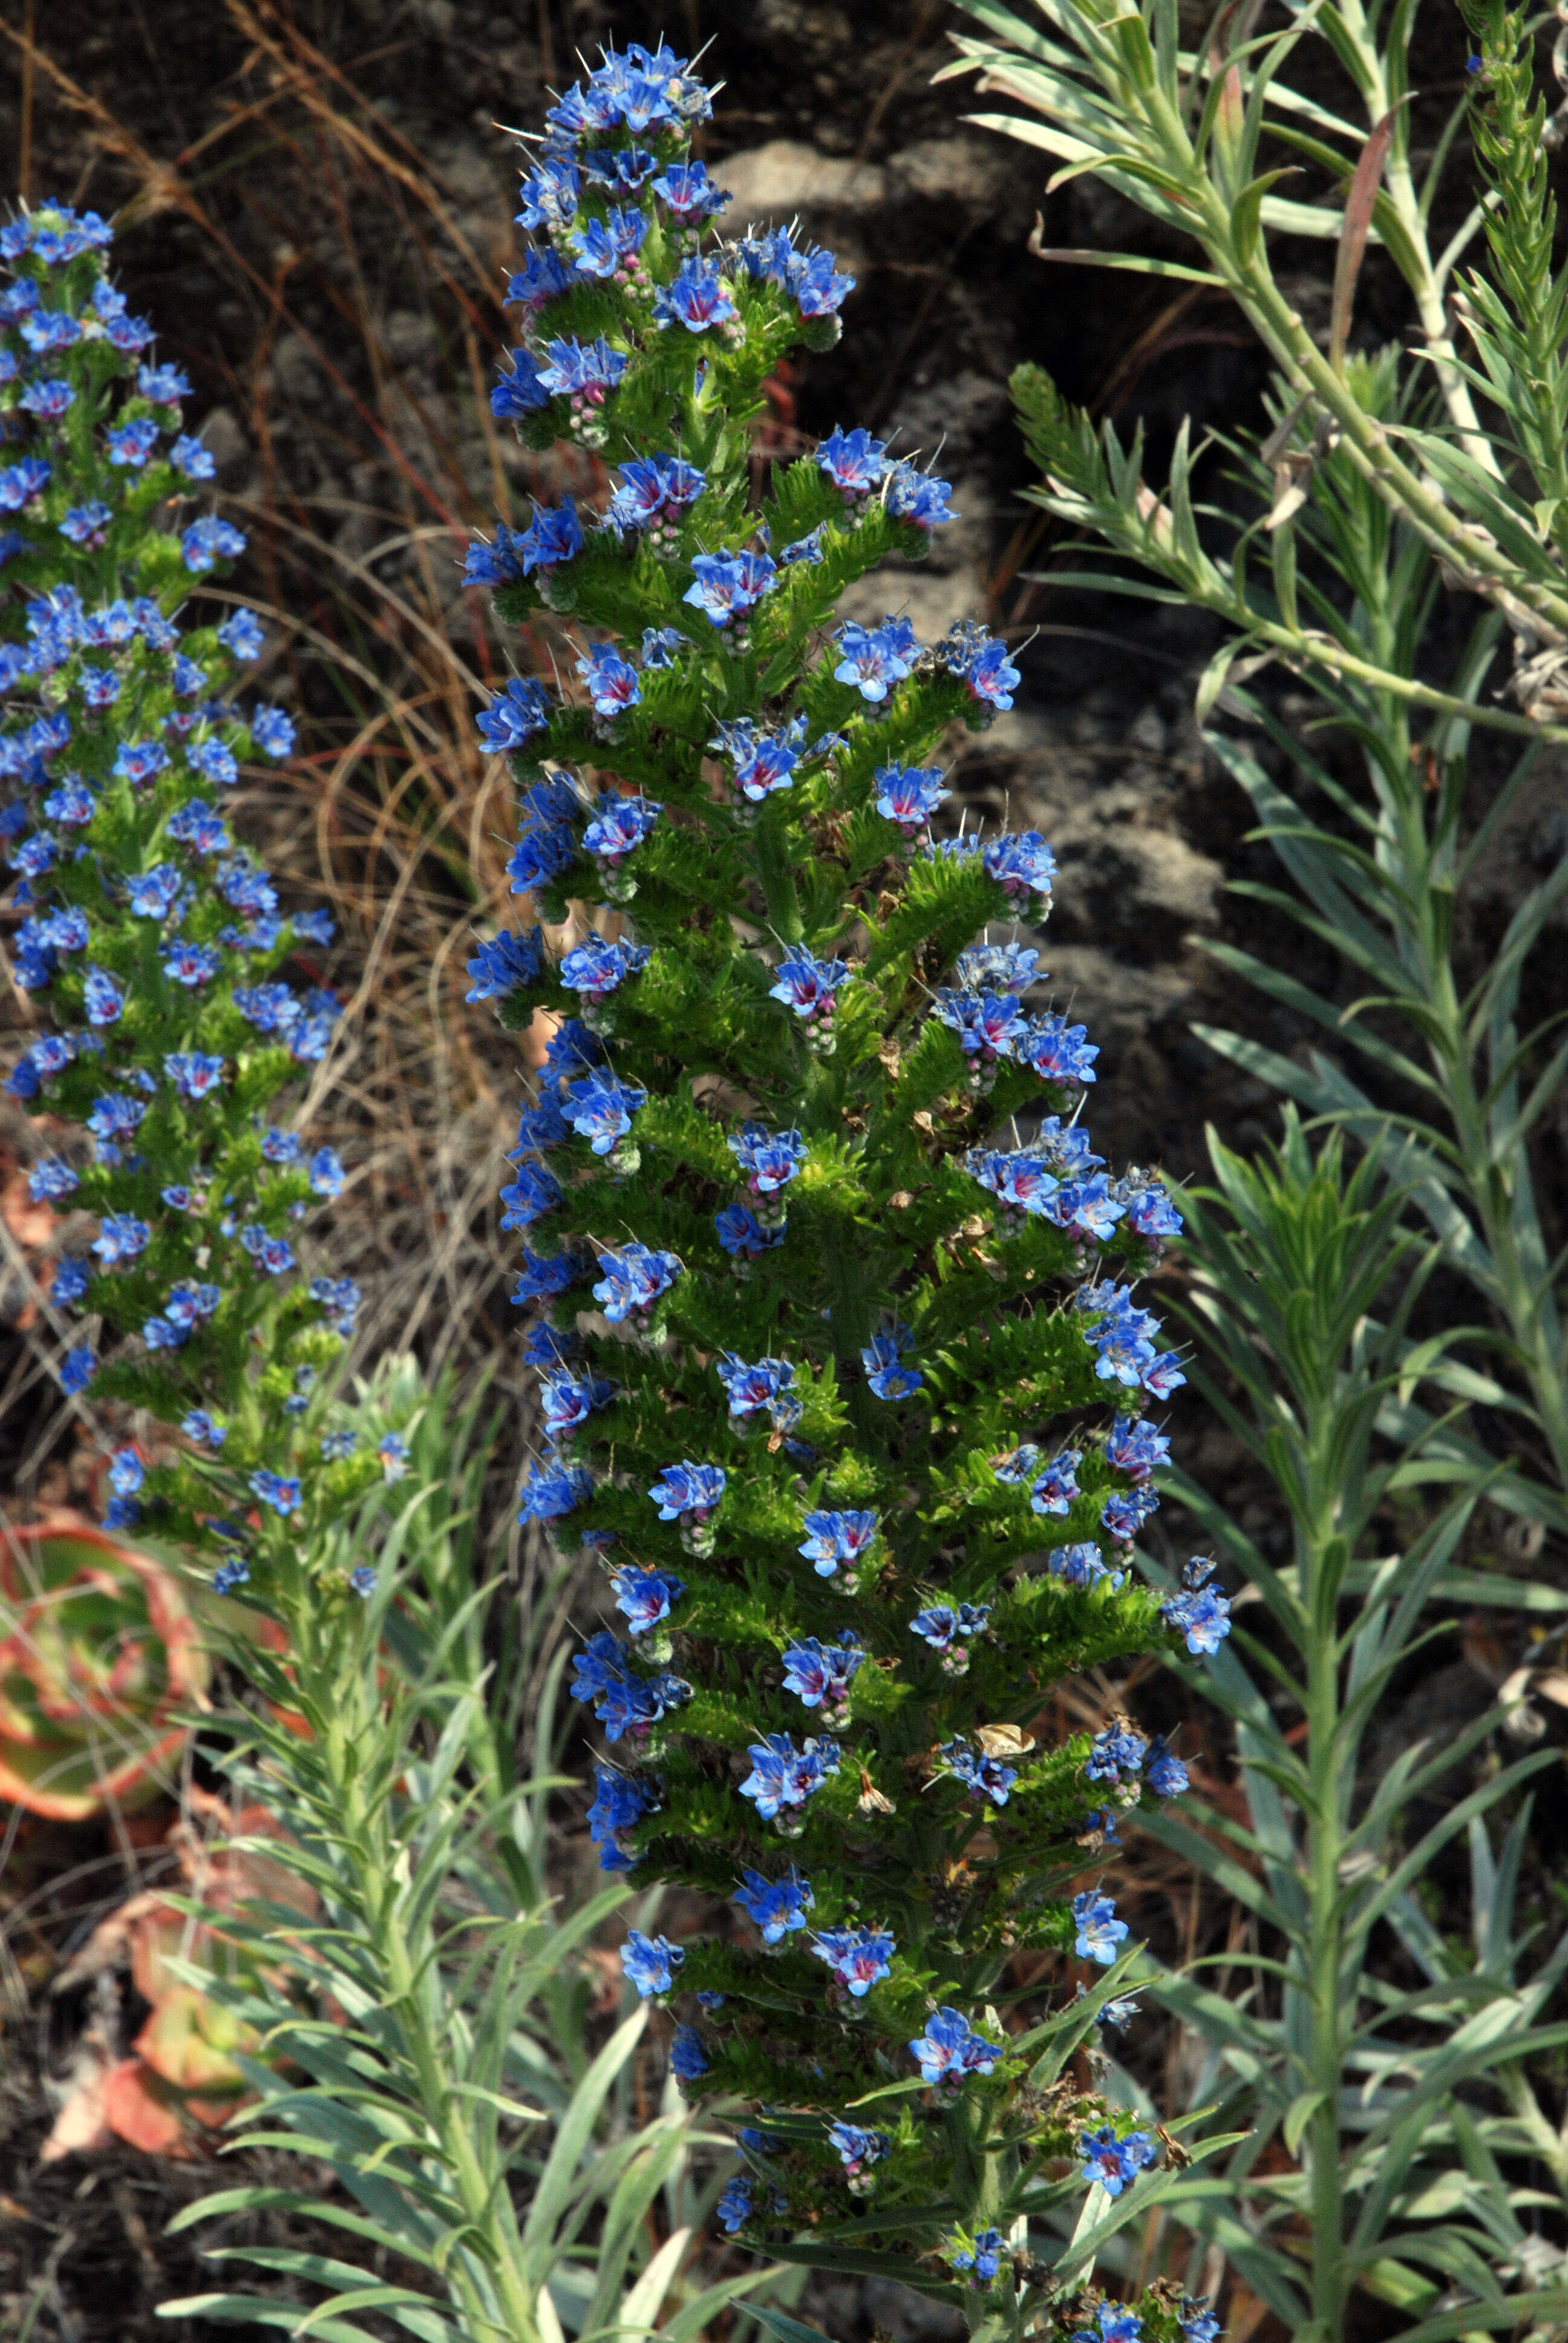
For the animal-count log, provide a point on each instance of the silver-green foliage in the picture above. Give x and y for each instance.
(429, 2038)
(1395, 2105)
(1206, 140)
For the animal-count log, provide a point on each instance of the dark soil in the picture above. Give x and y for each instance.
(331, 328)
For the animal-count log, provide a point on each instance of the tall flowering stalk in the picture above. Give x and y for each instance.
(146, 932)
(831, 1295)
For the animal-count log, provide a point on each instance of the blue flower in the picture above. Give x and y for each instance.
(495, 565)
(817, 288)
(875, 658)
(122, 1514)
(982, 2253)
(1150, 1209)
(646, 1597)
(534, 1192)
(651, 1962)
(775, 1907)
(514, 716)
(102, 999)
(1114, 2163)
(633, 1278)
(837, 1537)
(336, 1446)
(618, 825)
(821, 1675)
(551, 1491)
(620, 1804)
(230, 1574)
(48, 399)
(771, 1160)
(783, 1777)
(739, 1230)
(597, 969)
(622, 1702)
(857, 2148)
(1023, 865)
(887, 1377)
(273, 733)
(278, 1490)
(1054, 1490)
(1115, 1755)
(50, 1178)
(120, 1238)
(1203, 1619)
(70, 1282)
(763, 762)
(1165, 1773)
(154, 893)
(1058, 1052)
(807, 985)
(585, 369)
(132, 443)
(600, 1109)
(393, 1452)
(688, 1493)
(126, 1473)
(192, 1074)
(987, 1024)
(852, 461)
(201, 1425)
(949, 2049)
(545, 278)
(859, 1957)
(195, 825)
(189, 964)
(685, 2059)
(1125, 1511)
(1197, 2321)
(190, 457)
(542, 855)
(983, 1777)
(85, 524)
(991, 676)
(165, 386)
(748, 1388)
(77, 1368)
(734, 2206)
(691, 196)
(625, 168)
(555, 536)
(919, 498)
(325, 1173)
(910, 795)
(725, 586)
(696, 298)
(1098, 1929)
(808, 548)
(521, 392)
(207, 542)
(362, 1579)
(944, 1628)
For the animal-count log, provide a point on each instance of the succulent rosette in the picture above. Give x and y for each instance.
(101, 1668)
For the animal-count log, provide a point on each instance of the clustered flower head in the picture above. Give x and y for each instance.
(175, 994)
(817, 1253)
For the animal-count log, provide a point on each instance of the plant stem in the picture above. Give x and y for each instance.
(338, 1676)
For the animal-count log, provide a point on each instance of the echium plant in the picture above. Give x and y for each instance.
(831, 1293)
(146, 929)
